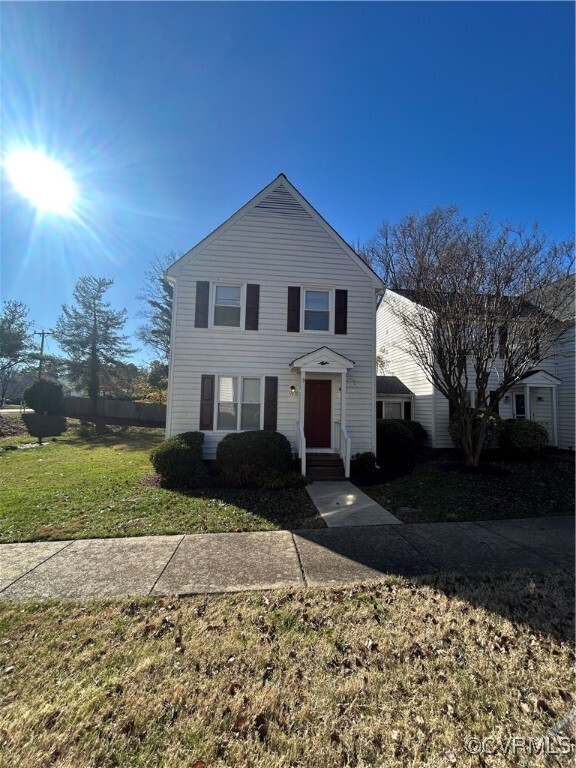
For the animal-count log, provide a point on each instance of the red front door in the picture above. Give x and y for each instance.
(318, 413)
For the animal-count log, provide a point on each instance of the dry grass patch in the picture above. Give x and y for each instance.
(395, 674)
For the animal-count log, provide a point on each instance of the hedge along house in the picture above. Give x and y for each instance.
(274, 327)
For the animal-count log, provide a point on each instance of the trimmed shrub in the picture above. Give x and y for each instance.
(416, 429)
(178, 460)
(192, 439)
(247, 458)
(394, 442)
(44, 424)
(363, 463)
(522, 436)
(491, 436)
(44, 397)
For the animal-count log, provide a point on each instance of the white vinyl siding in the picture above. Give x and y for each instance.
(275, 250)
(392, 337)
(565, 367)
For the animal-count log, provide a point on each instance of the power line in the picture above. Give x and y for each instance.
(43, 334)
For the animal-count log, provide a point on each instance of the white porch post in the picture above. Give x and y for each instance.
(302, 395)
(301, 422)
(554, 393)
(343, 400)
(527, 406)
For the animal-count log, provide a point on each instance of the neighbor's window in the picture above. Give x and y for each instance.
(250, 415)
(239, 413)
(392, 410)
(227, 305)
(316, 310)
(228, 403)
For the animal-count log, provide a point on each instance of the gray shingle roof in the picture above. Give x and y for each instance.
(391, 385)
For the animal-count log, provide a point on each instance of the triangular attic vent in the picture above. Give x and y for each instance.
(280, 201)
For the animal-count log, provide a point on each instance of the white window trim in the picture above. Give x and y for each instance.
(239, 403)
(331, 310)
(229, 284)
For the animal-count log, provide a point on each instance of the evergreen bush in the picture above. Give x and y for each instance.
(395, 443)
(522, 436)
(45, 397)
(179, 461)
(247, 458)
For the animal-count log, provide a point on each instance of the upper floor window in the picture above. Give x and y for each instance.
(227, 305)
(316, 310)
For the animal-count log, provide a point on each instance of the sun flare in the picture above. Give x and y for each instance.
(44, 182)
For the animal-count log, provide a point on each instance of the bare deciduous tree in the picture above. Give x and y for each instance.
(477, 305)
(156, 298)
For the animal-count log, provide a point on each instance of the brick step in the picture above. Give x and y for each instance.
(323, 459)
(324, 466)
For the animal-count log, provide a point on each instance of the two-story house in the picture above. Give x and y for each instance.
(545, 394)
(274, 327)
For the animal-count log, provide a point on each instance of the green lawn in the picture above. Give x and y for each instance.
(80, 487)
(436, 491)
(397, 674)
(96, 486)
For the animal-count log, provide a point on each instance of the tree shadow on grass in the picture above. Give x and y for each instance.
(484, 556)
(544, 602)
(126, 438)
(286, 509)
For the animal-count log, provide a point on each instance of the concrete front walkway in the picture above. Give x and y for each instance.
(233, 562)
(342, 505)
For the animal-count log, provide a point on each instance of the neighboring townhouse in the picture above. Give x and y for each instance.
(562, 362)
(545, 394)
(274, 328)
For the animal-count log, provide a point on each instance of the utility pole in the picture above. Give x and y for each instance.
(43, 334)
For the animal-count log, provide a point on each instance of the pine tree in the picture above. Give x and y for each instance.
(89, 333)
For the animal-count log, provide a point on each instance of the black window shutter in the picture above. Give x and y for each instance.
(207, 402)
(341, 312)
(252, 306)
(379, 413)
(408, 410)
(293, 309)
(270, 403)
(202, 302)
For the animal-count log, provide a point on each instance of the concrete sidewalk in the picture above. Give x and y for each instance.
(342, 505)
(232, 562)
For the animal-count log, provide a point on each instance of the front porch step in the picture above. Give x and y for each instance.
(324, 466)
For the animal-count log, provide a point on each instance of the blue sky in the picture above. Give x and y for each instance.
(172, 115)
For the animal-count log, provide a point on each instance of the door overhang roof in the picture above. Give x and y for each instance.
(322, 360)
(540, 379)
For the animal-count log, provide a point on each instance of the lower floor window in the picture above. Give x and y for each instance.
(393, 411)
(239, 403)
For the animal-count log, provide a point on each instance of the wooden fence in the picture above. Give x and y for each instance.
(116, 411)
